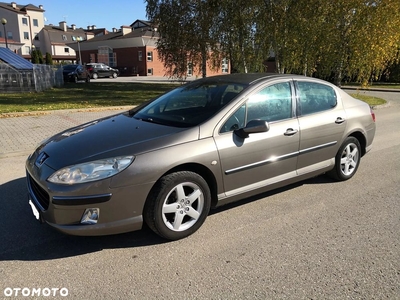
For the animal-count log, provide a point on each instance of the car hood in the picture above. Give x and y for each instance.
(109, 137)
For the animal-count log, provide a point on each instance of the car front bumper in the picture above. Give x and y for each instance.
(62, 207)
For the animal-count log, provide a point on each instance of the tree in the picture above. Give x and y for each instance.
(234, 32)
(184, 27)
(49, 59)
(34, 57)
(334, 40)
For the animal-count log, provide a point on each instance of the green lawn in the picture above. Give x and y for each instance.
(94, 95)
(372, 101)
(82, 95)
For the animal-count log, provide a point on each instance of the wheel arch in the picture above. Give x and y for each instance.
(204, 172)
(361, 139)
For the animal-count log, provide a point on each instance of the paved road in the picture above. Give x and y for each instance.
(314, 240)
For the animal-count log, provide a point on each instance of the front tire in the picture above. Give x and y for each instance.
(95, 76)
(178, 205)
(347, 160)
(114, 75)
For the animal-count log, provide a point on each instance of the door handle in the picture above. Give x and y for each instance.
(290, 131)
(339, 120)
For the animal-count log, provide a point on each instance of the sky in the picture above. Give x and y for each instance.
(102, 13)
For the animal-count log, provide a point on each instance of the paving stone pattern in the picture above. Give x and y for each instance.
(20, 135)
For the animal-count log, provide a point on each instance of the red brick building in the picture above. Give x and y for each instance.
(131, 49)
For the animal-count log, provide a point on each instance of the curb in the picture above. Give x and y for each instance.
(369, 89)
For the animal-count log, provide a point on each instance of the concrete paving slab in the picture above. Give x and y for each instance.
(19, 135)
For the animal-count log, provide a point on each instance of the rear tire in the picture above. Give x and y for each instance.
(114, 75)
(347, 160)
(178, 205)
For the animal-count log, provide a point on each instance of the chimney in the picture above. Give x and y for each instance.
(125, 29)
(94, 26)
(89, 35)
(114, 29)
(63, 26)
(13, 5)
(73, 26)
(90, 27)
(41, 6)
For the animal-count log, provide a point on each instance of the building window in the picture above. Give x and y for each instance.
(149, 56)
(190, 69)
(9, 35)
(25, 21)
(26, 35)
(107, 56)
(35, 23)
(140, 55)
(36, 36)
(66, 50)
(64, 37)
(27, 50)
(150, 71)
(225, 66)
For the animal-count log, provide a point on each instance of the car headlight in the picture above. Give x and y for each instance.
(91, 171)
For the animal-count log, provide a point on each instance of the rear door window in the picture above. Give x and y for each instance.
(315, 97)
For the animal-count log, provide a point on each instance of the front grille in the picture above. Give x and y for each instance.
(40, 194)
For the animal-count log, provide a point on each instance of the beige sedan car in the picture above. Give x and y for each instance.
(201, 145)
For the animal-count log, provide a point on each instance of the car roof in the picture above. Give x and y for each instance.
(244, 78)
(254, 78)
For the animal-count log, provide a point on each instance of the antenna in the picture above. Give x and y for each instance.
(65, 18)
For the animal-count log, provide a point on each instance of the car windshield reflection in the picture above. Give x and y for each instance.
(189, 105)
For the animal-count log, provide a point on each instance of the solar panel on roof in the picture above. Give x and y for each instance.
(15, 60)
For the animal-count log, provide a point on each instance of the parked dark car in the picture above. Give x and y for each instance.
(204, 144)
(75, 73)
(97, 70)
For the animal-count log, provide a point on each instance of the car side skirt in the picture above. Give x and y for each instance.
(275, 182)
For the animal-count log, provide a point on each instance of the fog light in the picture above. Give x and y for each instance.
(90, 216)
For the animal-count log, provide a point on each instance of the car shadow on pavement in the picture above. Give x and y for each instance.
(24, 238)
(321, 179)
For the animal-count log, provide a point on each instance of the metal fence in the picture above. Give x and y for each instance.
(38, 79)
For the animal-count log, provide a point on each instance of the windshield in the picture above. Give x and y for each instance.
(189, 105)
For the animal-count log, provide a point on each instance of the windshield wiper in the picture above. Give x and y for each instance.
(151, 120)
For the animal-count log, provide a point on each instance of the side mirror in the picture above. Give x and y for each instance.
(254, 126)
